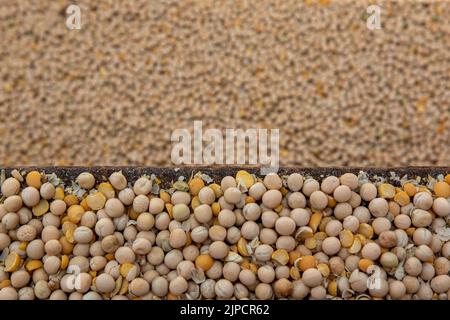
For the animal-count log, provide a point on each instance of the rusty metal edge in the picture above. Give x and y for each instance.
(169, 174)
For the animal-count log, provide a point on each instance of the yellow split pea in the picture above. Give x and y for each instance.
(41, 208)
(34, 179)
(245, 178)
(195, 185)
(96, 201)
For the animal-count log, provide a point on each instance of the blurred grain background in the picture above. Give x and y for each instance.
(112, 92)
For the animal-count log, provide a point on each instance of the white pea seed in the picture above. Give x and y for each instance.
(223, 289)
(10, 187)
(309, 186)
(371, 251)
(285, 242)
(350, 180)
(263, 252)
(173, 258)
(105, 283)
(145, 221)
(441, 207)
(272, 198)
(10, 220)
(389, 260)
(329, 184)
(351, 223)
(342, 210)
(381, 224)
(257, 190)
(124, 255)
(250, 230)
(362, 213)
(126, 196)
(412, 284)
(5, 241)
(422, 236)
(206, 195)
(378, 207)
(299, 290)
(312, 277)
(20, 279)
(58, 207)
(331, 245)
(30, 196)
(272, 181)
(423, 200)
(269, 218)
(140, 203)
(368, 191)
(424, 253)
(203, 213)
(397, 289)
(13, 203)
(83, 235)
(85, 180)
(199, 234)
(35, 249)
(295, 182)
(47, 191)
(41, 290)
(227, 218)
(104, 227)
(26, 233)
(114, 208)
(231, 271)
(26, 293)
(285, 226)
(318, 293)
(440, 283)
(300, 216)
(421, 218)
(177, 238)
(181, 212)
(402, 221)
(215, 272)
(387, 239)
(413, 266)
(233, 235)
(342, 194)
(118, 180)
(89, 219)
(318, 200)
(247, 277)
(232, 195)
(333, 228)
(355, 200)
(227, 182)
(218, 250)
(358, 281)
(156, 205)
(142, 186)
(296, 200)
(268, 236)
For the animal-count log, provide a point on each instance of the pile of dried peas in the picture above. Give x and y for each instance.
(245, 237)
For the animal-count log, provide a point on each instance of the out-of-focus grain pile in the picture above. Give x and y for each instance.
(112, 92)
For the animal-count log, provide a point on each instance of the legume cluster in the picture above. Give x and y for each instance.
(113, 92)
(244, 237)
